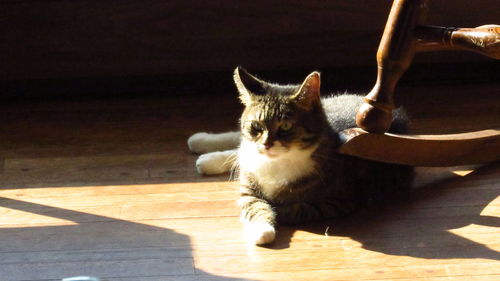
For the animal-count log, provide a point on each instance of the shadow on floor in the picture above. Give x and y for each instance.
(420, 224)
(94, 245)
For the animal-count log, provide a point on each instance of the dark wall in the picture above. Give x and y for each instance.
(54, 39)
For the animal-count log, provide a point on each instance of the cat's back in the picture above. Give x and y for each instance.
(341, 110)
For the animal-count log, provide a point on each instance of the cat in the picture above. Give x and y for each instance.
(285, 154)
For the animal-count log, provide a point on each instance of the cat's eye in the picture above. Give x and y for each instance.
(256, 127)
(286, 126)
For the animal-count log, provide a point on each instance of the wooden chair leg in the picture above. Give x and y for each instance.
(403, 37)
(394, 56)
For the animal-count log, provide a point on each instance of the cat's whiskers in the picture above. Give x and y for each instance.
(235, 167)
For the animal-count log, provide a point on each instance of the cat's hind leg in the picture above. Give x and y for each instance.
(217, 162)
(206, 142)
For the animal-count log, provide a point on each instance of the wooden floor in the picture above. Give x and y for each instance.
(107, 188)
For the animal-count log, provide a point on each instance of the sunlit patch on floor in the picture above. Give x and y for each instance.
(462, 173)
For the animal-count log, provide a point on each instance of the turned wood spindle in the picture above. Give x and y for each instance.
(394, 56)
(484, 40)
(403, 36)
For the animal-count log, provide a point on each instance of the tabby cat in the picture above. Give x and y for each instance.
(287, 160)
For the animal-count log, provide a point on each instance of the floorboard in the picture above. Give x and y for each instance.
(108, 188)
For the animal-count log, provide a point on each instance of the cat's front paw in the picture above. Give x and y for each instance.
(259, 233)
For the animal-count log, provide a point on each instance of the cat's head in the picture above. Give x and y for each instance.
(280, 118)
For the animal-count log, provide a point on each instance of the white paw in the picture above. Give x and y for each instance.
(215, 163)
(205, 142)
(196, 142)
(260, 233)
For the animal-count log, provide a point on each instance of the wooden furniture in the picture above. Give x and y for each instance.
(403, 37)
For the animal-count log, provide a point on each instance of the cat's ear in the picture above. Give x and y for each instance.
(309, 92)
(248, 85)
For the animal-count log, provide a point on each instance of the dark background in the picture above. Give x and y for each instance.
(116, 47)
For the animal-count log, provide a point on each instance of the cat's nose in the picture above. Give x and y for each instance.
(268, 145)
(268, 142)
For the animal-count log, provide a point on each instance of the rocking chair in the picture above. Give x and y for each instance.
(404, 35)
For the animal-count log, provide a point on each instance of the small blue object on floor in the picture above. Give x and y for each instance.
(81, 278)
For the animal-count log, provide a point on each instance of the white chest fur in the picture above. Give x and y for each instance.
(274, 174)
